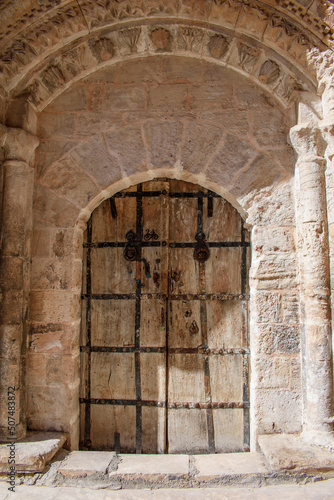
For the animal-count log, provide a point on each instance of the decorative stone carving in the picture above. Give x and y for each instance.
(161, 38)
(129, 38)
(102, 49)
(53, 77)
(248, 56)
(218, 46)
(190, 38)
(269, 72)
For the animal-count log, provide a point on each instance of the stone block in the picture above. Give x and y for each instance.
(180, 69)
(52, 274)
(11, 339)
(148, 70)
(73, 99)
(124, 98)
(211, 96)
(51, 407)
(226, 163)
(152, 467)
(11, 307)
(271, 339)
(11, 273)
(54, 306)
(286, 157)
(199, 143)
(233, 121)
(267, 239)
(36, 369)
(86, 463)
(269, 126)
(93, 122)
(250, 96)
(291, 307)
(52, 210)
(33, 453)
(168, 98)
(56, 125)
(272, 372)
(53, 338)
(274, 272)
(278, 411)
(228, 464)
(163, 140)
(94, 157)
(61, 369)
(266, 307)
(214, 73)
(277, 209)
(128, 146)
(96, 99)
(292, 453)
(20, 114)
(262, 173)
(66, 179)
(49, 152)
(40, 243)
(101, 76)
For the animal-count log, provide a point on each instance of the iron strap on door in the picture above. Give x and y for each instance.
(132, 251)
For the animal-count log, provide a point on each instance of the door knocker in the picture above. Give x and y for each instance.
(131, 250)
(201, 252)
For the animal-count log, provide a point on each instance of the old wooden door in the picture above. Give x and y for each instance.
(164, 348)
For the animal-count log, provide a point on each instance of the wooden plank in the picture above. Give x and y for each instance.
(153, 375)
(228, 425)
(153, 430)
(184, 324)
(112, 322)
(153, 323)
(187, 431)
(111, 272)
(223, 271)
(112, 375)
(226, 377)
(106, 420)
(224, 225)
(225, 324)
(186, 378)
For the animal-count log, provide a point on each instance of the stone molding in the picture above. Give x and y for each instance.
(290, 30)
(265, 67)
(17, 144)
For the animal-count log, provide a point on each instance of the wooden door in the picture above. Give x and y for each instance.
(164, 349)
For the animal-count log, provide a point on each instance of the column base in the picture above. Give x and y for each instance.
(318, 437)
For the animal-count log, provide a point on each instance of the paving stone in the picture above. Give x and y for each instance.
(32, 454)
(227, 464)
(148, 466)
(79, 463)
(291, 452)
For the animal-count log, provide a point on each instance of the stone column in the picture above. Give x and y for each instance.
(17, 175)
(313, 249)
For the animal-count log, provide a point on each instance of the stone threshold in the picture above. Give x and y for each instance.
(32, 453)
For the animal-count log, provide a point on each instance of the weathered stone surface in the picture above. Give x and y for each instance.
(199, 143)
(272, 372)
(68, 180)
(163, 140)
(74, 99)
(291, 452)
(152, 467)
(94, 157)
(139, 71)
(123, 98)
(32, 454)
(64, 306)
(278, 410)
(168, 98)
(126, 143)
(56, 125)
(279, 338)
(85, 463)
(181, 70)
(211, 96)
(50, 209)
(228, 464)
(50, 151)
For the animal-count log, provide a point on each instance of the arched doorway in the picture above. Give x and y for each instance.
(164, 347)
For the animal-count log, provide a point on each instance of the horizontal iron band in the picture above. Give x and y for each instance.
(163, 296)
(163, 404)
(145, 244)
(170, 350)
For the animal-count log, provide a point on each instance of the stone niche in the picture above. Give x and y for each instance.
(151, 118)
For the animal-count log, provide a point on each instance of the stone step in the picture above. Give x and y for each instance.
(32, 453)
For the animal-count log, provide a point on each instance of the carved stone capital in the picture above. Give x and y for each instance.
(307, 141)
(17, 144)
(327, 127)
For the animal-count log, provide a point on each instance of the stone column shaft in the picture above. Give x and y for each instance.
(313, 248)
(16, 225)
